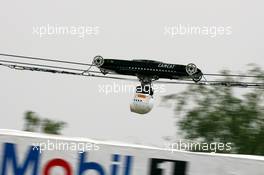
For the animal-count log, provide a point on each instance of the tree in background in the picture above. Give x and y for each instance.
(219, 114)
(33, 123)
(52, 127)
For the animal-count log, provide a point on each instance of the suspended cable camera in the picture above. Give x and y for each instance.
(145, 71)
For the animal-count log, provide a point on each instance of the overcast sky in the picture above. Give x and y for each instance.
(124, 30)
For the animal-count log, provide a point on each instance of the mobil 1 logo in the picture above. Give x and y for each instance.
(167, 167)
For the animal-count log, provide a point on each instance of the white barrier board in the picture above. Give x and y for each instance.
(23, 153)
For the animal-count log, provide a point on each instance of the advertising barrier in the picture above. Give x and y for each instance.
(24, 153)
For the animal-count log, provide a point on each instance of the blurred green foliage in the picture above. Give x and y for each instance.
(223, 114)
(33, 123)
